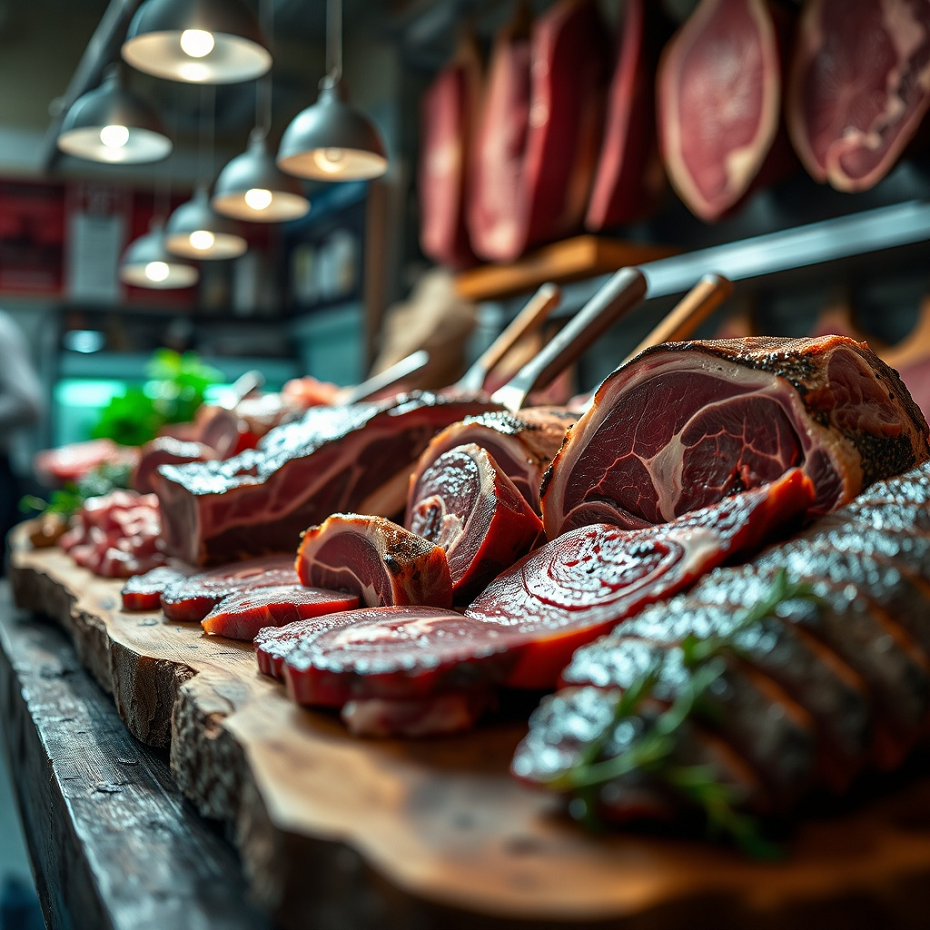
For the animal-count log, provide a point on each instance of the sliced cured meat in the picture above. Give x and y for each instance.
(464, 503)
(629, 179)
(439, 714)
(540, 131)
(719, 104)
(273, 644)
(857, 665)
(685, 424)
(143, 592)
(72, 462)
(334, 458)
(578, 586)
(448, 119)
(166, 450)
(381, 562)
(858, 88)
(522, 444)
(241, 616)
(390, 653)
(192, 598)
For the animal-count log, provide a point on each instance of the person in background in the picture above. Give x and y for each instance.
(20, 406)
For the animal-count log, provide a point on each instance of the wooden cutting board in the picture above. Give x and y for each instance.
(340, 832)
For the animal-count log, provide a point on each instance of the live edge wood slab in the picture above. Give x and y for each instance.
(339, 832)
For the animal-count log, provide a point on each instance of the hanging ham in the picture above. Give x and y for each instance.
(540, 131)
(719, 104)
(687, 423)
(859, 87)
(448, 115)
(630, 179)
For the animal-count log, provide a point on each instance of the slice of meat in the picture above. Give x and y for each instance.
(166, 450)
(143, 592)
(191, 599)
(630, 179)
(585, 582)
(448, 118)
(375, 559)
(522, 444)
(241, 616)
(719, 104)
(273, 644)
(464, 503)
(858, 87)
(685, 424)
(540, 131)
(334, 458)
(391, 653)
(437, 715)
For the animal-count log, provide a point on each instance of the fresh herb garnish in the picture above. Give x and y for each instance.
(651, 750)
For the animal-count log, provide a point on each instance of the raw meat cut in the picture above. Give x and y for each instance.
(390, 653)
(143, 592)
(241, 616)
(524, 628)
(464, 503)
(166, 450)
(583, 583)
(630, 179)
(685, 424)
(719, 104)
(70, 463)
(851, 668)
(191, 599)
(334, 458)
(381, 562)
(448, 118)
(522, 444)
(540, 131)
(858, 87)
(438, 714)
(116, 535)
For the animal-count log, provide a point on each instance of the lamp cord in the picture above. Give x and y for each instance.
(334, 40)
(263, 87)
(208, 107)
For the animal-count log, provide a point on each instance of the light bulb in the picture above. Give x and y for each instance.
(202, 239)
(330, 160)
(114, 137)
(157, 271)
(258, 199)
(197, 42)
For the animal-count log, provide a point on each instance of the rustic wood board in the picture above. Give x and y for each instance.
(561, 262)
(345, 832)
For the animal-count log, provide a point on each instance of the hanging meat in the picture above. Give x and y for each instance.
(334, 458)
(719, 104)
(467, 505)
(381, 562)
(858, 87)
(828, 678)
(540, 130)
(448, 116)
(630, 178)
(522, 444)
(687, 423)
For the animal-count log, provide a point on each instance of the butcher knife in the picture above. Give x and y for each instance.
(388, 378)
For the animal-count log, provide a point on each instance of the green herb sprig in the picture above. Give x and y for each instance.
(651, 750)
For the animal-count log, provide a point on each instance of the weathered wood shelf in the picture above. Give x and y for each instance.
(335, 831)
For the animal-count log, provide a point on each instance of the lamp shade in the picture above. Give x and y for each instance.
(146, 263)
(197, 41)
(113, 125)
(195, 231)
(252, 188)
(332, 141)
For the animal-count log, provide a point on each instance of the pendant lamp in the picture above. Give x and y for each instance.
(332, 141)
(146, 263)
(111, 124)
(197, 41)
(195, 231)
